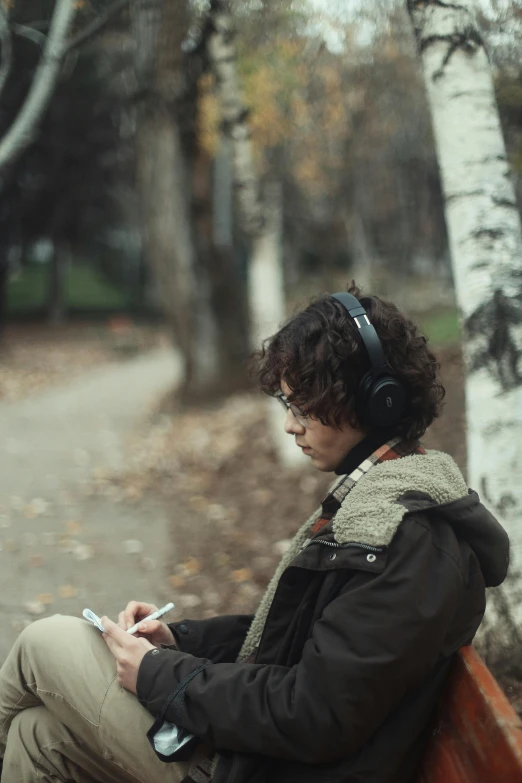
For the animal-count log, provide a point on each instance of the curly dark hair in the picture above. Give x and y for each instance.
(322, 359)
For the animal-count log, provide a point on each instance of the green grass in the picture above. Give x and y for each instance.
(86, 289)
(441, 326)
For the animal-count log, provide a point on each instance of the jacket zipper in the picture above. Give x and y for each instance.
(370, 548)
(307, 543)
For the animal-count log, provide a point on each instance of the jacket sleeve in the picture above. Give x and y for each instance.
(218, 638)
(373, 644)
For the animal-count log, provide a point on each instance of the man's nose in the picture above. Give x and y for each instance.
(292, 426)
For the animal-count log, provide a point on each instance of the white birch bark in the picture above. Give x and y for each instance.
(359, 248)
(262, 222)
(5, 48)
(267, 305)
(486, 250)
(223, 56)
(24, 128)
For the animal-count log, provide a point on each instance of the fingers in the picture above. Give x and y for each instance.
(114, 631)
(136, 610)
(149, 627)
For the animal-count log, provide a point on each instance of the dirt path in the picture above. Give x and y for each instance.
(61, 549)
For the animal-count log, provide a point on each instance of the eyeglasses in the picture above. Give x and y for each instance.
(303, 420)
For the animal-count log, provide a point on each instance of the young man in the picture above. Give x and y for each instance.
(335, 676)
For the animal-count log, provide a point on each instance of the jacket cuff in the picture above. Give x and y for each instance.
(160, 673)
(149, 688)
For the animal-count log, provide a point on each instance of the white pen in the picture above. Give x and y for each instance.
(153, 616)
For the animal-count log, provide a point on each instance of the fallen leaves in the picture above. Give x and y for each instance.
(242, 575)
(82, 551)
(34, 608)
(189, 600)
(67, 591)
(72, 527)
(192, 565)
(176, 581)
(133, 546)
(36, 508)
(46, 599)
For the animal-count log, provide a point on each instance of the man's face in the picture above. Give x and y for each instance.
(325, 445)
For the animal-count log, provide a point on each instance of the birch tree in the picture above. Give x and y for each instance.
(23, 128)
(260, 221)
(486, 250)
(56, 45)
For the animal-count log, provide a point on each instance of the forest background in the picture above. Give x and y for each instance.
(123, 228)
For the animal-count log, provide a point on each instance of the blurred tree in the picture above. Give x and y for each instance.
(174, 187)
(260, 216)
(56, 45)
(349, 136)
(43, 84)
(48, 146)
(486, 251)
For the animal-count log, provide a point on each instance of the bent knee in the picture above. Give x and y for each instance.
(49, 631)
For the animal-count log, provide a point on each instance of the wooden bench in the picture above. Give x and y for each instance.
(477, 736)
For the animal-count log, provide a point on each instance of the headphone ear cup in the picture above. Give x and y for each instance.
(361, 401)
(386, 402)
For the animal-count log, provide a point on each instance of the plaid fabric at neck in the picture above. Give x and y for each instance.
(394, 449)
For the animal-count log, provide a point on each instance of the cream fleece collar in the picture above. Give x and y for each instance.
(370, 514)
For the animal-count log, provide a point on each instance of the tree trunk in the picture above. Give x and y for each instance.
(222, 196)
(486, 250)
(170, 250)
(265, 274)
(262, 225)
(215, 233)
(223, 57)
(57, 284)
(23, 129)
(359, 248)
(4, 279)
(165, 185)
(267, 305)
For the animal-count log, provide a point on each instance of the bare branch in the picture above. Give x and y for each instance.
(91, 29)
(34, 35)
(24, 127)
(5, 43)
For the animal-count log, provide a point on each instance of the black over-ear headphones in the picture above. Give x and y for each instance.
(381, 397)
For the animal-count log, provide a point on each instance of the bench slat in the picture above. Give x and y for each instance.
(480, 739)
(444, 762)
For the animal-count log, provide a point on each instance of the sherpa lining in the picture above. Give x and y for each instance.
(370, 514)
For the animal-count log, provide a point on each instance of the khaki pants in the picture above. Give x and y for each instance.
(64, 717)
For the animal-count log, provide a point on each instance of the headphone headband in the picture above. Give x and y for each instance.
(365, 329)
(381, 397)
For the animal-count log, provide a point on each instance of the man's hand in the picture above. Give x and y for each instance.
(128, 652)
(156, 632)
